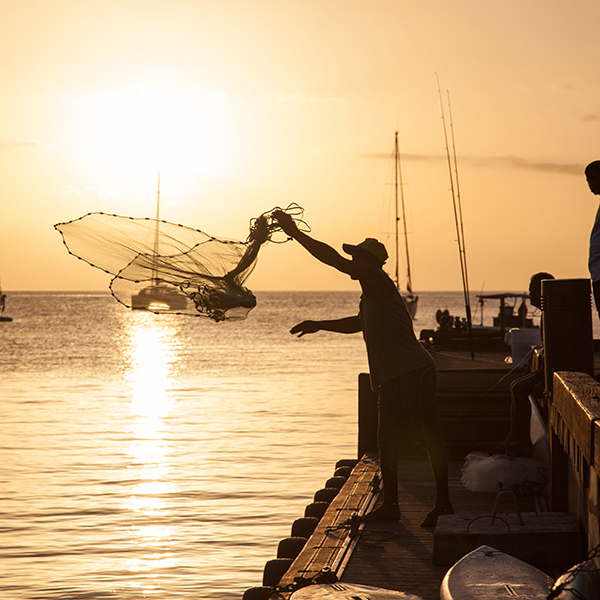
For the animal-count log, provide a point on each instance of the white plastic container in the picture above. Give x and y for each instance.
(521, 342)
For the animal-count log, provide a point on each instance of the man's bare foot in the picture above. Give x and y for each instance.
(383, 513)
(431, 519)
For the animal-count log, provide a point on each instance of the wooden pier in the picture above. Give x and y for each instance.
(396, 556)
(474, 405)
(400, 556)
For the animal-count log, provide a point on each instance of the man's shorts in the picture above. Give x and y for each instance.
(408, 411)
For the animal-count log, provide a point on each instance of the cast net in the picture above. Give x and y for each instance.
(167, 268)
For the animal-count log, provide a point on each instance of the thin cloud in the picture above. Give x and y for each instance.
(70, 191)
(292, 97)
(107, 194)
(406, 156)
(182, 203)
(515, 162)
(506, 162)
(15, 145)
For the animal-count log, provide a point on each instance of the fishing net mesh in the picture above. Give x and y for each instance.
(167, 268)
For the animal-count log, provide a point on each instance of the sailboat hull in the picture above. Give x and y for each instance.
(412, 303)
(158, 298)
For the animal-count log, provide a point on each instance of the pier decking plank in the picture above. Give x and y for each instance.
(397, 556)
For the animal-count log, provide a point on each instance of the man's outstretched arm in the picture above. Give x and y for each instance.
(257, 237)
(345, 325)
(320, 250)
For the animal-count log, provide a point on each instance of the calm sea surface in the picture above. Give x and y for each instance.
(164, 457)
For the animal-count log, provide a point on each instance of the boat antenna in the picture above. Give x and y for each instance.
(455, 190)
(398, 184)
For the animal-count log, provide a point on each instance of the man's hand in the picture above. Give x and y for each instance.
(260, 231)
(305, 327)
(286, 222)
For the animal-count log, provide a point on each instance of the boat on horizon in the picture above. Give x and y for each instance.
(158, 296)
(3, 317)
(453, 331)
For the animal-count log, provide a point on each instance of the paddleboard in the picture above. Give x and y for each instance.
(349, 591)
(581, 582)
(487, 573)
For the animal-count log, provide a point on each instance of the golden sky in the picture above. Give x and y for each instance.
(248, 105)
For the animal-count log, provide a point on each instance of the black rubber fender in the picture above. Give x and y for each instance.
(258, 593)
(343, 472)
(304, 527)
(275, 569)
(326, 494)
(316, 509)
(336, 482)
(290, 547)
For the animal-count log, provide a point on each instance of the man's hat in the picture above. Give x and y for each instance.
(375, 247)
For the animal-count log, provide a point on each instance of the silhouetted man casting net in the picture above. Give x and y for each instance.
(163, 267)
(402, 371)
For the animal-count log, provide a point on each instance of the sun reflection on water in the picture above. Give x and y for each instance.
(152, 353)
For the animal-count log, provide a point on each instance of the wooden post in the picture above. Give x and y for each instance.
(568, 336)
(559, 475)
(367, 417)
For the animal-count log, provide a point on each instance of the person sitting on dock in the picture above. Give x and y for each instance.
(401, 370)
(518, 442)
(592, 174)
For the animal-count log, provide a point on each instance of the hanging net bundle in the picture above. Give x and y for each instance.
(167, 268)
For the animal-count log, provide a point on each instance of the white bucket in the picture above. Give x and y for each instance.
(522, 341)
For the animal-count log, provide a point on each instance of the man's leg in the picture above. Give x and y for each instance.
(435, 446)
(389, 453)
(389, 510)
(438, 459)
(596, 292)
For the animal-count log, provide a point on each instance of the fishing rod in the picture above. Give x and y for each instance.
(458, 219)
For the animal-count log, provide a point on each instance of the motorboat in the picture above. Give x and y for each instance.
(157, 298)
(453, 331)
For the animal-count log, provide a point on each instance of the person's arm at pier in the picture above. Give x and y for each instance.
(345, 325)
(320, 250)
(258, 236)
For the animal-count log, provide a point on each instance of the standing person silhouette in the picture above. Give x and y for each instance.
(592, 174)
(401, 370)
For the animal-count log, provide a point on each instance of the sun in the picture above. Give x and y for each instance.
(130, 131)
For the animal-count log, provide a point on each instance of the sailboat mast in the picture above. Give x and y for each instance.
(156, 234)
(400, 185)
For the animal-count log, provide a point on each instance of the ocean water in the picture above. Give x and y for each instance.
(164, 457)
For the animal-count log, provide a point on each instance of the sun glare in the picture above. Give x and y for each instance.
(131, 131)
(151, 349)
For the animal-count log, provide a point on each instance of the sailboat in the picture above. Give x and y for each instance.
(158, 296)
(409, 297)
(3, 318)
